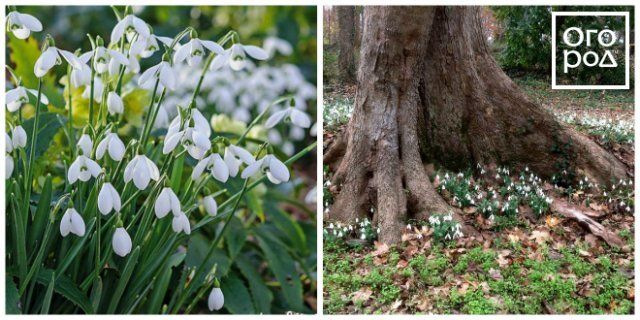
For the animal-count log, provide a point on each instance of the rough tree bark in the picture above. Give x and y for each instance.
(346, 43)
(430, 91)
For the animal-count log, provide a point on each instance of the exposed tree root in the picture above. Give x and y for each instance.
(562, 207)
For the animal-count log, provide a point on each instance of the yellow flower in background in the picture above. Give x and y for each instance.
(135, 102)
(223, 123)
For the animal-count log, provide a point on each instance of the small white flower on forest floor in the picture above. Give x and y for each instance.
(121, 242)
(83, 168)
(210, 205)
(214, 164)
(272, 45)
(297, 117)
(108, 199)
(16, 97)
(111, 144)
(276, 170)
(180, 223)
(195, 137)
(216, 299)
(19, 137)
(141, 170)
(163, 71)
(72, 223)
(129, 26)
(51, 57)
(236, 57)
(22, 24)
(167, 201)
(193, 51)
(234, 156)
(114, 103)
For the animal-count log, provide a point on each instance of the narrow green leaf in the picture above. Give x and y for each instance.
(67, 288)
(13, 298)
(48, 125)
(42, 214)
(124, 279)
(235, 237)
(48, 295)
(176, 173)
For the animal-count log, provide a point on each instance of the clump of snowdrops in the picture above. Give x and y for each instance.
(108, 237)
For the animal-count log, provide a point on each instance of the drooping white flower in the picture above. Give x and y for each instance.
(275, 170)
(81, 76)
(236, 56)
(297, 117)
(215, 165)
(311, 196)
(163, 71)
(51, 57)
(272, 45)
(141, 170)
(22, 24)
(146, 46)
(72, 222)
(210, 205)
(16, 97)
(83, 169)
(167, 201)
(216, 299)
(180, 223)
(114, 103)
(108, 199)
(85, 144)
(98, 88)
(121, 242)
(8, 144)
(19, 137)
(8, 166)
(130, 25)
(234, 156)
(194, 50)
(194, 137)
(104, 57)
(113, 145)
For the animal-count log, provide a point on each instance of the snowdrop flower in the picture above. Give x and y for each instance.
(167, 201)
(180, 223)
(236, 56)
(273, 45)
(8, 144)
(105, 59)
(141, 170)
(19, 139)
(297, 117)
(275, 170)
(215, 165)
(234, 156)
(312, 195)
(85, 144)
(108, 199)
(195, 138)
(72, 223)
(210, 205)
(121, 242)
(83, 169)
(8, 166)
(113, 145)
(98, 88)
(21, 24)
(146, 46)
(114, 103)
(81, 76)
(15, 98)
(163, 71)
(130, 25)
(193, 51)
(216, 299)
(51, 57)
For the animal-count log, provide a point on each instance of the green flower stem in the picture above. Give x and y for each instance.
(146, 124)
(149, 125)
(91, 88)
(72, 138)
(32, 151)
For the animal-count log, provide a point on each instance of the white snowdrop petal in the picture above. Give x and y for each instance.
(129, 169)
(220, 170)
(199, 168)
(65, 223)
(121, 242)
(167, 77)
(77, 224)
(300, 119)
(233, 164)
(114, 103)
(276, 118)
(8, 166)
(102, 148)
(210, 205)
(251, 170)
(171, 142)
(118, 30)
(216, 299)
(148, 74)
(182, 53)
(21, 33)
(31, 22)
(175, 203)
(85, 144)
(255, 52)
(141, 27)
(93, 167)
(278, 169)
(163, 204)
(19, 139)
(212, 46)
(243, 154)
(201, 123)
(105, 201)
(74, 170)
(154, 173)
(116, 147)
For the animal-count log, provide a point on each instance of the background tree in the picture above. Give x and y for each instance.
(346, 42)
(429, 91)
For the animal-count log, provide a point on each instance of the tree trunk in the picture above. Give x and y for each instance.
(430, 91)
(346, 43)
